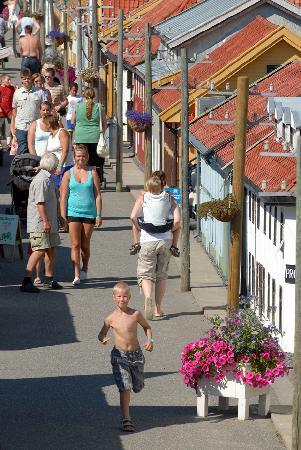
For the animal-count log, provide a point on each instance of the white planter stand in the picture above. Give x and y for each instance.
(231, 388)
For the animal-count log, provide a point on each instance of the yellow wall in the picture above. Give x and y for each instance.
(276, 55)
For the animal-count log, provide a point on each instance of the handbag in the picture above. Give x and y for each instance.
(101, 150)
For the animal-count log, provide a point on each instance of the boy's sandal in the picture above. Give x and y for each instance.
(174, 251)
(135, 248)
(127, 425)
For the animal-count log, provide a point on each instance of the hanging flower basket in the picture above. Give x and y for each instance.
(89, 75)
(223, 210)
(139, 121)
(38, 15)
(58, 37)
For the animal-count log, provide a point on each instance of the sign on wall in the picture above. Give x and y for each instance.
(176, 193)
(8, 229)
(290, 274)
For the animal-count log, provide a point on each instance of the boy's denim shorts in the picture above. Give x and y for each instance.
(128, 369)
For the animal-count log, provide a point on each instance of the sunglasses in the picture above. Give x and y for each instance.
(48, 76)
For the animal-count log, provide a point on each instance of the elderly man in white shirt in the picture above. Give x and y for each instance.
(26, 108)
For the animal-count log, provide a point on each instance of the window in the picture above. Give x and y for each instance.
(280, 309)
(265, 219)
(272, 67)
(275, 225)
(253, 276)
(273, 300)
(253, 208)
(261, 288)
(282, 233)
(270, 222)
(250, 205)
(250, 273)
(269, 297)
(258, 213)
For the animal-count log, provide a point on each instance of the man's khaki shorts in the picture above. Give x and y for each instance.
(42, 241)
(153, 261)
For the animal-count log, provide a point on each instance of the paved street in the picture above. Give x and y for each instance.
(57, 391)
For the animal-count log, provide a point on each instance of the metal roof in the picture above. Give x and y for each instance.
(209, 13)
(160, 68)
(196, 16)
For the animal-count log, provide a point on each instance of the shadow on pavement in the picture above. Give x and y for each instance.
(72, 413)
(34, 320)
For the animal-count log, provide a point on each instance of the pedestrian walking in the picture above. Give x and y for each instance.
(155, 253)
(3, 30)
(57, 91)
(39, 83)
(26, 108)
(42, 224)
(89, 120)
(81, 206)
(6, 110)
(38, 133)
(26, 21)
(73, 99)
(126, 357)
(30, 51)
(59, 144)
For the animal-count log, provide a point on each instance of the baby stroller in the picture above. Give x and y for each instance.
(22, 173)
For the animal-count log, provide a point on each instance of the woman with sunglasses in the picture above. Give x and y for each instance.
(38, 82)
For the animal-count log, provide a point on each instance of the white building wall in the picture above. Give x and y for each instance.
(266, 263)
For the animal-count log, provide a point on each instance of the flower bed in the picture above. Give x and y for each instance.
(231, 344)
(139, 121)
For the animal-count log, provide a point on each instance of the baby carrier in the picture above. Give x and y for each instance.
(157, 213)
(22, 173)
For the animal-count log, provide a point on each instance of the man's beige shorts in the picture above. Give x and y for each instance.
(153, 261)
(42, 241)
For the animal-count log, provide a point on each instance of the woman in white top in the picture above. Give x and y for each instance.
(38, 133)
(59, 144)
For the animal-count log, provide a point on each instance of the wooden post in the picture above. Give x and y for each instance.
(148, 104)
(95, 57)
(52, 22)
(65, 30)
(119, 152)
(296, 418)
(238, 190)
(79, 46)
(42, 25)
(185, 247)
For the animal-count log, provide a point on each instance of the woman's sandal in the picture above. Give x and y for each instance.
(37, 280)
(174, 251)
(135, 248)
(127, 425)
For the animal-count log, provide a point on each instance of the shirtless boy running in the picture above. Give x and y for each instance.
(127, 358)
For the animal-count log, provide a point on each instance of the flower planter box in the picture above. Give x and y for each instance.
(231, 388)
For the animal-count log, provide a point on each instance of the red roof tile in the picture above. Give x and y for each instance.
(160, 12)
(271, 169)
(286, 82)
(246, 38)
(126, 5)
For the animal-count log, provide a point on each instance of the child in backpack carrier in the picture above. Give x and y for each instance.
(157, 210)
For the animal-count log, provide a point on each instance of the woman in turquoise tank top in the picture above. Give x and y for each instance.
(81, 206)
